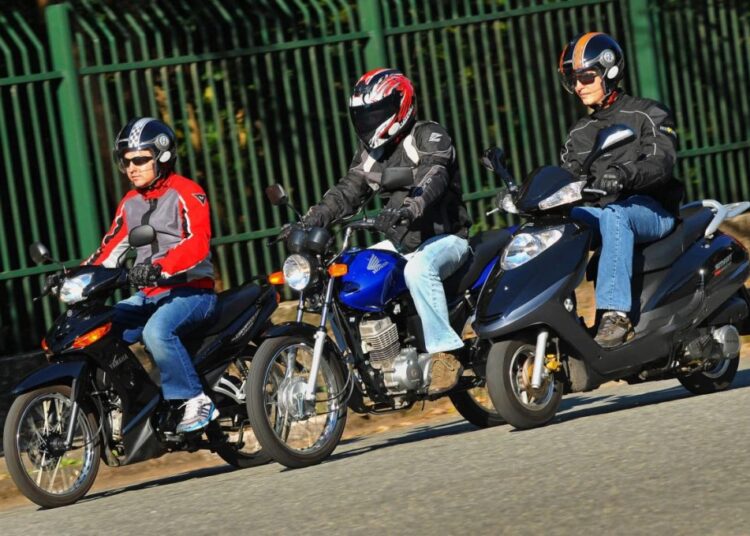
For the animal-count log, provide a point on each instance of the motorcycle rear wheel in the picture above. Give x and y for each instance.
(476, 407)
(508, 374)
(34, 430)
(280, 369)
(238, 445)
(716, 379)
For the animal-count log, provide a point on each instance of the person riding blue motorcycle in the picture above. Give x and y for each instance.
(643, 195)
(429, 224)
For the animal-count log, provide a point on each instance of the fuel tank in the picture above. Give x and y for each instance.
(375, 277)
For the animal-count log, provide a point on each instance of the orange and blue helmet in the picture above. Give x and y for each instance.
(382, 106)
(593, 51)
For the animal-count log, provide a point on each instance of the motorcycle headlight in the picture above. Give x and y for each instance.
(297, 271)
(565, 195)
(526, 246)
(71, 291)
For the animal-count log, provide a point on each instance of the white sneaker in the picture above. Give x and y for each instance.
(199, 411)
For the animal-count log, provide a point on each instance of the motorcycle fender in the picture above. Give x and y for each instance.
(297, 328)
(67, 372)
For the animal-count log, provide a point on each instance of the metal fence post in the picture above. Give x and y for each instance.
(643, 32)
(74, 136)
(372, 22)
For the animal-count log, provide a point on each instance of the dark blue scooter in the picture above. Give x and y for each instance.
(690, 302)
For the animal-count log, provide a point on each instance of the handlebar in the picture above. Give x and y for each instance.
(365, 223)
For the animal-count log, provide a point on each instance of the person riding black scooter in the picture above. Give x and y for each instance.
(690, 303)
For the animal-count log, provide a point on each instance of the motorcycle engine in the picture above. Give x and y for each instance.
(721, 343)
(403, 369)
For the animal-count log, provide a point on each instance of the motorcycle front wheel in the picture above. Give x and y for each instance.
(293, 431)
(509, 370)
(34, 441)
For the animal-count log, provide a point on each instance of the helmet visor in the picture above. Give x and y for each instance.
(367, 119)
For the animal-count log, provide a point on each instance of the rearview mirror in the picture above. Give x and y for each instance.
(396, 178)
(142, 235)
(493, 158)
(607, 139)
(276, 195)
(39, 253)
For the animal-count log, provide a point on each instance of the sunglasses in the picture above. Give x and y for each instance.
(586, 78)
(137, 160)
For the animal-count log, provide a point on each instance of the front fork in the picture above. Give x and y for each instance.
(320, 340)
(75, 390)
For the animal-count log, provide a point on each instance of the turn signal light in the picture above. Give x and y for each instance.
(92, 336)
(337, 270)
(276, 278)
(45, 347)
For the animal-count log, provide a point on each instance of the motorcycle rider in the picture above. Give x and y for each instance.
(174, 275)
(429, 225)
(645, 196)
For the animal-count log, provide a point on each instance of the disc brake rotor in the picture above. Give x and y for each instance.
(526, 373)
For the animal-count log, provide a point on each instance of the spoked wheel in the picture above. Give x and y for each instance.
(238, 445)
(476, 407)
(294, 431)
(509, 370)
(717, 378)
(34, 440)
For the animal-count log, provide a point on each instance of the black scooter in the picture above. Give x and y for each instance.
(96, 400)
(690, 302)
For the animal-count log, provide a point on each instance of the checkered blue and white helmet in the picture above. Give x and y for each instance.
(147, 133)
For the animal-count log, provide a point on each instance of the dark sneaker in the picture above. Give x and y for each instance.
(199, 411)
(614, 329)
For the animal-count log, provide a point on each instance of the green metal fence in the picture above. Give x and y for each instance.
(256, 91)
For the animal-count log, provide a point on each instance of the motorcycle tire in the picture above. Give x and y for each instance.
(37, 452)
(505, 374)
(259, 408)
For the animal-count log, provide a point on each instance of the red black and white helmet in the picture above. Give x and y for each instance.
(151, 134)
(592, 51)
(382, 105)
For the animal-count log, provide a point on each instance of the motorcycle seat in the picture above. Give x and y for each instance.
(662, 253)
(484, 247)
(229, 305)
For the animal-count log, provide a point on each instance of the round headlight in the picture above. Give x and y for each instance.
(297, 271)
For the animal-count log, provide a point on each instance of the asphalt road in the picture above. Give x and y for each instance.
(647, 459)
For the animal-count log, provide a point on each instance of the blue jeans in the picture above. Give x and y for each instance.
(159, 321)
(623, 224)
(435, 260)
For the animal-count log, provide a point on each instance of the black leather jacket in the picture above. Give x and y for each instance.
(647, 162)
(434, 199)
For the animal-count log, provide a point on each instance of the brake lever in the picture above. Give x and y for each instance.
(601, 193)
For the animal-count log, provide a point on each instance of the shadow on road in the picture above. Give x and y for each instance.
(182, 477)
(621, 402)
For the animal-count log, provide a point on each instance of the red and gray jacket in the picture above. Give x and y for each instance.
(177, 209)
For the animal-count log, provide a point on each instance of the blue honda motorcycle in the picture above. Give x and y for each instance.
(690, 302)
(302, 380)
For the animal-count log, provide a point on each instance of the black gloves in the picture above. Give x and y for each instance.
(390, 218)
(286, 230)
(612, 181)
(144, 275)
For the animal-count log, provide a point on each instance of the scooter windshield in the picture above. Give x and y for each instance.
(543, 183)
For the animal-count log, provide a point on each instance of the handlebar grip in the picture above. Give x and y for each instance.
(366, 223)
